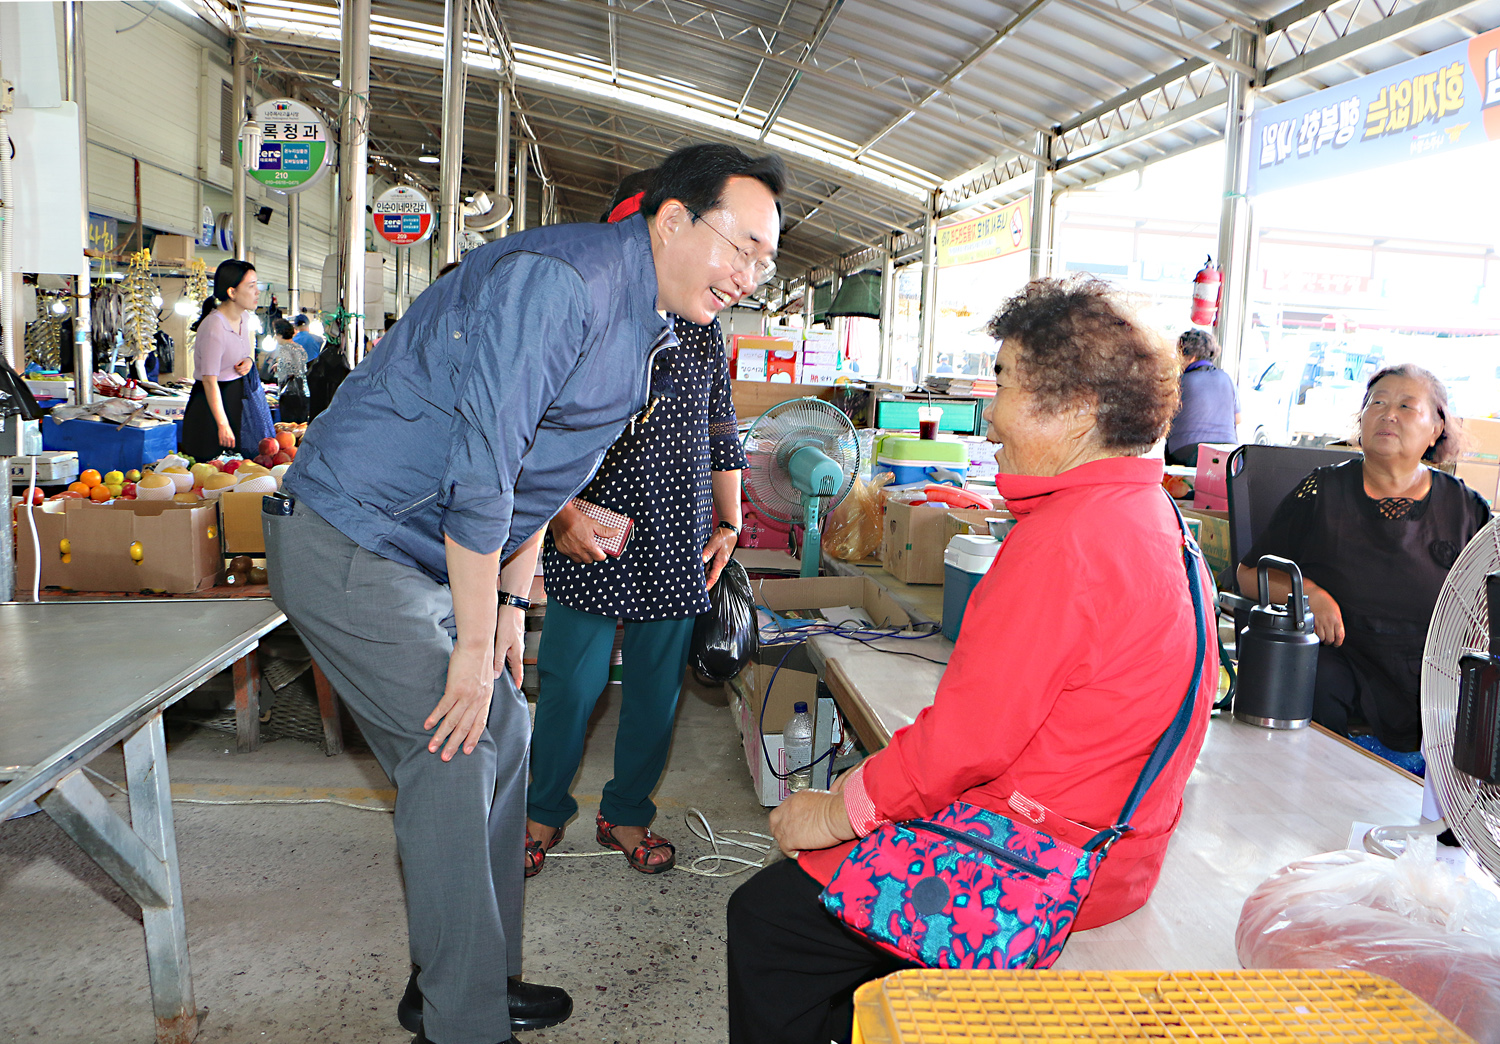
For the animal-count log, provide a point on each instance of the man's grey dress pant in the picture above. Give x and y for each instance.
(383, 632)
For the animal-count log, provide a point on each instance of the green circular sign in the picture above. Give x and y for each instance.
(294, 147)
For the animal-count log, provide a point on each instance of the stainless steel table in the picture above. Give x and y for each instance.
(59, 710)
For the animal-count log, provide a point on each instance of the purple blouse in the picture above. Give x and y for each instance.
(219, 346)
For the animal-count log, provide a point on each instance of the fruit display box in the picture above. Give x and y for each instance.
(125, 545)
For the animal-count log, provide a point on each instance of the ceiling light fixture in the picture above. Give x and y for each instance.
(428, 159)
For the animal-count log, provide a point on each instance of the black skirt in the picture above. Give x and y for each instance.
(200, 432)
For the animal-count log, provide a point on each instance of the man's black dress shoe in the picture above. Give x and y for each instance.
(422, 1039)
(532, 1006)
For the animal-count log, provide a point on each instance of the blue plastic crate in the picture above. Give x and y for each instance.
(109, 447)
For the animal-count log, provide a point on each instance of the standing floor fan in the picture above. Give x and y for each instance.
(803, 456)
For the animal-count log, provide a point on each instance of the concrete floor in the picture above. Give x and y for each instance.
(295, 917)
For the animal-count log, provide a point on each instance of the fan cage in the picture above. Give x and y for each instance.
(1460, 626)
(772, 439)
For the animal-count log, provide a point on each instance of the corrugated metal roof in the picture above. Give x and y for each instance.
(874, 103)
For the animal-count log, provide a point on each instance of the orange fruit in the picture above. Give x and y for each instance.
(99, 494)
(90, 478)
(80, 488)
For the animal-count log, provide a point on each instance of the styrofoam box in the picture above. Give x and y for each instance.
(52, 467)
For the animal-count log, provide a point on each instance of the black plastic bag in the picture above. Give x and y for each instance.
(725, 637)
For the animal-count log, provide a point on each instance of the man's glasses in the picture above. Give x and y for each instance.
(762, 270)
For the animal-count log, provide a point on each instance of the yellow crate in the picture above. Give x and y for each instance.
(1266, 1007)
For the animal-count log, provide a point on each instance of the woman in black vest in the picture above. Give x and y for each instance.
(1375, 539)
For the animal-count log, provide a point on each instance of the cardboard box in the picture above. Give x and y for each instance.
(752, 398)
(1483, 479)
(752, 342)
(750, 364)
(1212, 478)
(819, 375)
(178, 543)
(1213, 536)
(1483, 436)
(52, 468)
(172, 250)
(239, 521)
(915, 538)
(770, 788)
(782, 367)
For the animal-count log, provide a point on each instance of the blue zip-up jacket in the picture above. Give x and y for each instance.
(492, 401)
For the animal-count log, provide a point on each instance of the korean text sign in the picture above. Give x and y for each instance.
(1448, 99)
(1006, 231)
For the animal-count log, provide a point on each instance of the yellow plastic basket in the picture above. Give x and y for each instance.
(1266, 1007)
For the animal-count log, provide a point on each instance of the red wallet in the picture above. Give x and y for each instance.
(613, 546)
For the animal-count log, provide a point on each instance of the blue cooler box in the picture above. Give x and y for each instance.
(919, 462)
(109, 447)
(965, 561)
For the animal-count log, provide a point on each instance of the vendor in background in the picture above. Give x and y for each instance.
(223, 354)
(1375, 539)
(1076, 650)
(668, 473)
(1210, 409)
(311, 343)
(289, 371)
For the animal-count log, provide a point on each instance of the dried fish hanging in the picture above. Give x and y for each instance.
(44, 335)
(107, 318)
(142, 301)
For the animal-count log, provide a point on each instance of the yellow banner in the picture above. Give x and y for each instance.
(1006, 231)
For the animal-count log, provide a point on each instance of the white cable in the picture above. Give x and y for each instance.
(36, 547)
(707, 833)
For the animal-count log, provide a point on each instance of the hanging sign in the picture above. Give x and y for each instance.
(1448, 99)
(294, 146)
(1006, 231)
(403, 216)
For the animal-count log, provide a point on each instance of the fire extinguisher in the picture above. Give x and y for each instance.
(1207, 285)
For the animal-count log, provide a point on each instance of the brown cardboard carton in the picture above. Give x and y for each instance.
(752, 398)
(177, 544)
(1483, 479)
(239, 517)
(797, 678)
(1213, 537)
(1483, 437)
(172, 250)
(915, 538)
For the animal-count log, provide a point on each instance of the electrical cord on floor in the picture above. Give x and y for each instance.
(707, 833)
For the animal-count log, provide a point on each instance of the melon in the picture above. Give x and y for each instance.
(155, 487)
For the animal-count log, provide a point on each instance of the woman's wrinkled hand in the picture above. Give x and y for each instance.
(809, 820)
(716, 554)
(464, 711)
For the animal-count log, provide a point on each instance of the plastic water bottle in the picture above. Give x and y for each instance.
(797, 737)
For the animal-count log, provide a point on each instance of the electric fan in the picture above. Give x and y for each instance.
(803, 455)
(1461, 628)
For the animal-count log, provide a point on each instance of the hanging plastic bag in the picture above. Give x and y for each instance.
(725, 637)
(1410, 919)
(852, 531)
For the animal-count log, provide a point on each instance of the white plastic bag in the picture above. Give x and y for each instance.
(1411, 919)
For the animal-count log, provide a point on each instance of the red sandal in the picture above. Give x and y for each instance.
(639, 857)
(536, 851)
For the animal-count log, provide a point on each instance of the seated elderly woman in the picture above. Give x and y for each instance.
(1375, 539)
(1076, 652)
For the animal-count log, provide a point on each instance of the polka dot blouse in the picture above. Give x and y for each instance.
(660, 475)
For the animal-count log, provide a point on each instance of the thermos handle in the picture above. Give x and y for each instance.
(1263, 569)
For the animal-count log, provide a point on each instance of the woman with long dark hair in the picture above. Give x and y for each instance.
(222, 356)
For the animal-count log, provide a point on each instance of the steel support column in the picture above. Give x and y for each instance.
(294, 253)
(83, 342)
(237, 209)
(522, 155)
(353, 173)
(927, 343)
(502, 149)
(403, 270)
(888, 309)
(807, 301)
(1041, 208)
(451, 154)
(1234, 213)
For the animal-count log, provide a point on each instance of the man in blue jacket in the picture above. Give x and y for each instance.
(424, 488)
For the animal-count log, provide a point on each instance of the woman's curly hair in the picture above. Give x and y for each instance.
(1454, 440)
(1078, 343)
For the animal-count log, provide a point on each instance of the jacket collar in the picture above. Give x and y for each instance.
(1027, 493)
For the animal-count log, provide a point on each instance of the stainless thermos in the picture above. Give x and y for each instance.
(1278, 655)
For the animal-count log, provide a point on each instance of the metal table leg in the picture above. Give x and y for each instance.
(328, 709)
(142, 858)
(247, 703)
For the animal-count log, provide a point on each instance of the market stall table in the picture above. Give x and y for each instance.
(1258, 800)
(56, 715)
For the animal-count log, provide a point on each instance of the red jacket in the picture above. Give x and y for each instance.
(1075, 653)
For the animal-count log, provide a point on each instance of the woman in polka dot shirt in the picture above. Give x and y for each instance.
(667, 473)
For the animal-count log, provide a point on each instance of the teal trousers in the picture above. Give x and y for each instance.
(573, 669)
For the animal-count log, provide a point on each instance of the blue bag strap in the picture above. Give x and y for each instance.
(1167, 745)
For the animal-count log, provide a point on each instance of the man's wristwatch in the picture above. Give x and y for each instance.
(506, 598)
(730, 526)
